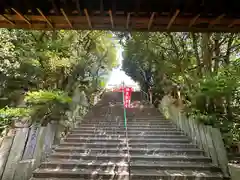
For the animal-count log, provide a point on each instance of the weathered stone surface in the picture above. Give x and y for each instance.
(16, 153)
(24, 170)
(4, 152)
(40, 146)
(234, 170)
(31, 143)
(207, 138)
(221, 151)
(101, 148)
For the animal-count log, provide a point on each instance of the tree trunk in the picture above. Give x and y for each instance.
(195, 47)
(207, 53)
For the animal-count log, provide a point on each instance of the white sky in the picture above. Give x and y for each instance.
(117, 75)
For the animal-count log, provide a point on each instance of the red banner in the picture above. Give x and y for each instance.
(127, 96)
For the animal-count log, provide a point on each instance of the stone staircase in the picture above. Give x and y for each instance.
(98, 149)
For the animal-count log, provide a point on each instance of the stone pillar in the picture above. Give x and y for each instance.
(4, 152)
(16, 153)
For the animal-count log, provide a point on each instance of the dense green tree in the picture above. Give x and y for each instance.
(50, 65)
(201, 70)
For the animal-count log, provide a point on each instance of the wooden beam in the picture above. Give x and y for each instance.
(192, 22)
(128, 20)
(55, 7)
(233, 23)
(78, 6)
(151, 20)
(111, 18)
(162, 20)
(157, 27)
(21, 16)
(213, 22)
(66, 17)
(46, 19)
(88, 18)
(173, 18)
(101, 8)
(6, 19)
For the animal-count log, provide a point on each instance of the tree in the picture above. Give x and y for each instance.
(52, 63)
(203, 68)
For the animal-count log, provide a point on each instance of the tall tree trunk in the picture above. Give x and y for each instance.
(207, 53)
(227, 62)
(216, 52)
(195, 47)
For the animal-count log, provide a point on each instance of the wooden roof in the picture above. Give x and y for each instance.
(122, 15)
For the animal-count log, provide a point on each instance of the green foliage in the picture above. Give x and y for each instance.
(204, 68)
(14, 112)
(50, 65)
(8, 115)
(46, 104)
(42, 97)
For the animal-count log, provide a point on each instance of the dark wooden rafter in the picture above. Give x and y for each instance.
(88, 18)
(137, 7)
(232, 23)
(123, 15)
(215, 21)
(192, 22)
(151, 20)
(66, 17)
(111, 18)
(8, 20)
(46, 19)
(21, 16)
(55, 7)
(101, 7)
(128, 20)
(173, 18)
(78, 7)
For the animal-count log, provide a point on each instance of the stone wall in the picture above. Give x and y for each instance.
(206, 137)
(22, 151)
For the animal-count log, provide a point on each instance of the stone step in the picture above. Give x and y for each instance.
(78, 173)
(129, 129)
(123, 132)
(118, 140)
(129, 124)
(175, 175)
(86, 165)
(118, 166)
(56, 178)
(132, 145)
(129, 121)
(130, 136)
(124, 157)
(166, 165)
(121, 126)
(150, 151)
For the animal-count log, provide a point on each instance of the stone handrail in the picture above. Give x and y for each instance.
(206, 137)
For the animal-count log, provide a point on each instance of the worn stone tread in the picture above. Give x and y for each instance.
(71, 164)
(144, 150)
(162, 157)
(132, 145)
(77, 173)
(121, 128)
(131, 123)
(175, 174)
(138, 132)
(130, 140)
(130, 136)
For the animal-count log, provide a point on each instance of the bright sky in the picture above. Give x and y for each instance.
(117, 75)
